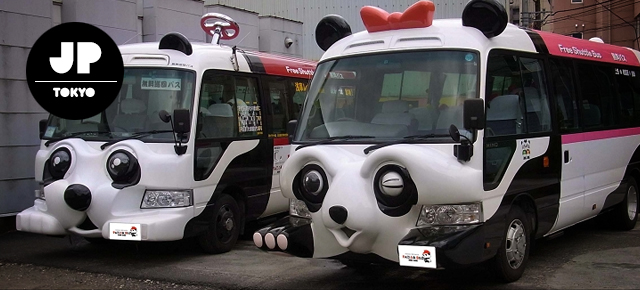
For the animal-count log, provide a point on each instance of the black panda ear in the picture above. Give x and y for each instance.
(330, 29)
(488, 16)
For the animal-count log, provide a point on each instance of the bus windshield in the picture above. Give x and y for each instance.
(144, 93)
(390, 96)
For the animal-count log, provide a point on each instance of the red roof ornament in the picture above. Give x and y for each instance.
(420, 14)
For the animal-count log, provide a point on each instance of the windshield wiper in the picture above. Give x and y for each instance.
(334, 138)
(405, 140)
(75, 134)
(134, 136)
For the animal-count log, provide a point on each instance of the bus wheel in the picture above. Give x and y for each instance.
(224, 229)
(626, 213)
(512, 256)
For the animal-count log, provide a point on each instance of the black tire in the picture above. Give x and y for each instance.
(625, 215)
(509, 263)
(224, 228)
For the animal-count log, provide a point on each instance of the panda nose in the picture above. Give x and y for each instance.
(338, 214)
(78, 197)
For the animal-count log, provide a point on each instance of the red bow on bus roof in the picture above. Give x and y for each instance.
(417, 15)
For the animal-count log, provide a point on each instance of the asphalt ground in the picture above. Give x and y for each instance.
(586, 256)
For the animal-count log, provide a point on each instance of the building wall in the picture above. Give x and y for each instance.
(163, 16)
(125, 21)
(118, 18)
(311, 11)
(613, 23)
(274, 31)
(21, 23)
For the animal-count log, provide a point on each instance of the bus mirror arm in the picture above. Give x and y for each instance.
(464, 150)
(180, 125)
(291, 129)
(43, 127)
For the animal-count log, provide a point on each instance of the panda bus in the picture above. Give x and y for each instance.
(191, 147)
(455, 142)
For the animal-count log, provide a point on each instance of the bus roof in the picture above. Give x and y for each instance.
(415, 29)
(213, 56)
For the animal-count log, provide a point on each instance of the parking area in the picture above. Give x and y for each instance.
(587, 256)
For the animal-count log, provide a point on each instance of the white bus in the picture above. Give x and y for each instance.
(191, 147)
(448, 143)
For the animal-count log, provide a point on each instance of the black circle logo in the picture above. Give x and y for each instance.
(75, 70)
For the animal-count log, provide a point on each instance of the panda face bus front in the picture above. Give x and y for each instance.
(375, 159)
(95, 189)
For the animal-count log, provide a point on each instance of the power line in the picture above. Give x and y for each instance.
(627, 22)
(572, 9)
(592, 11)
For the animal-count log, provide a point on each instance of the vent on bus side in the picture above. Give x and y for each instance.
(148, 59)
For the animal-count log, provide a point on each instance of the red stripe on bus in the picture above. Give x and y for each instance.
(561, 45)
(599, 135)
(286, 66)
(280, 141)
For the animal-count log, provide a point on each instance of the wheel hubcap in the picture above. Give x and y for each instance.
(228, 224)
(632, 202)
(225, 224)
(516, 244)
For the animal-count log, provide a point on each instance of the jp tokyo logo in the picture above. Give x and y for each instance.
(75, 70)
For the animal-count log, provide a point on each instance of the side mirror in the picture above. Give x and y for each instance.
(164, 116)
(454, 133)
(291, 129)
(181, 121)
(42, 126)
(473, 114)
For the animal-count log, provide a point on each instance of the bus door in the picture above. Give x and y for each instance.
(230, 146)
(518, 122)
(572, 202)
(279, 93)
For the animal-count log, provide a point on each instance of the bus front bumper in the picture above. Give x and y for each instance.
(166, 224)
(454, 246)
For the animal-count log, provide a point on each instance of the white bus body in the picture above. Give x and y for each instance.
(192, 146)
(547, 138)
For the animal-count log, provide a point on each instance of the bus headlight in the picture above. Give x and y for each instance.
(167, 198)
(298, 208)
(450, 214)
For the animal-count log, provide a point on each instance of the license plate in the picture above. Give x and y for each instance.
(417, 256)
(122, 231)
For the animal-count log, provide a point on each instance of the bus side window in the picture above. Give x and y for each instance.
(565, 96)
(535, 98)
(276, 89)
(299, 88)
(505, 109)
(629, 103)
(596, 96)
